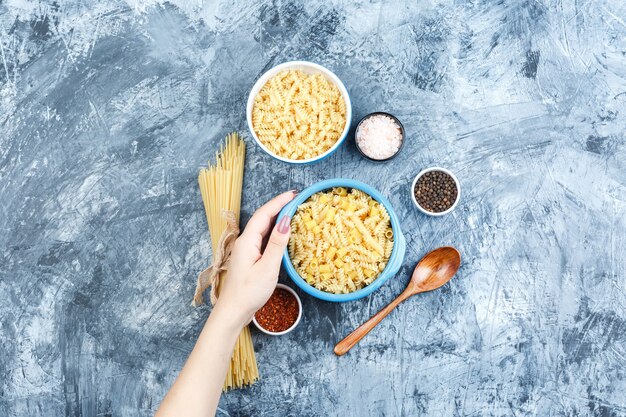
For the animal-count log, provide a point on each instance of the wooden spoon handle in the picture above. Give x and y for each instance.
(353, 338)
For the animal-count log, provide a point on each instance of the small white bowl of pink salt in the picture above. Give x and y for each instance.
(379, 136)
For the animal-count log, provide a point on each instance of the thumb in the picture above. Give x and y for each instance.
(277, 243)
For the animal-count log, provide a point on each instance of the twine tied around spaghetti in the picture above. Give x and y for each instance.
(221, 259)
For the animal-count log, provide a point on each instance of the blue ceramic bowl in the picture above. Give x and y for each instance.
(397, 254)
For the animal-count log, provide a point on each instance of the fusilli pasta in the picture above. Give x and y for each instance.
(341, 240)
(298, 115)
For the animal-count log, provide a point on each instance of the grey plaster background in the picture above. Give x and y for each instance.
(108, 109)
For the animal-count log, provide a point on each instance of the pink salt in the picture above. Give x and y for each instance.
(379, 137)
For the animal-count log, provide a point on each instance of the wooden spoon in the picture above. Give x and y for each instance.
(432, 271)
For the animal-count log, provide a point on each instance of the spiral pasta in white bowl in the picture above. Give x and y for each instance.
(299, 112)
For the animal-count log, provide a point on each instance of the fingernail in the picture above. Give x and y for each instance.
(295, 191)
(283, 224)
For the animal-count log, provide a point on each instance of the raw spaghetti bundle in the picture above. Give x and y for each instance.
(220, 186)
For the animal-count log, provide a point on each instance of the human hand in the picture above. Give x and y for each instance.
(252, 275)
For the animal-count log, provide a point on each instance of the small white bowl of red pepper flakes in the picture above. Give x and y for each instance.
(281, 313)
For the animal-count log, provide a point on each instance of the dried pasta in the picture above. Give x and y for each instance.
(220, 186)
(341, 240)
(298, 115)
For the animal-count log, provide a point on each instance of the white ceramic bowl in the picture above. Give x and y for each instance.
(293, 326)
(309, 68)
(458, 188)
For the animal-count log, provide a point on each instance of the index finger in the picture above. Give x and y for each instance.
(261, 221)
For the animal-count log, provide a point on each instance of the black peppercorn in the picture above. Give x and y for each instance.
(435, 191)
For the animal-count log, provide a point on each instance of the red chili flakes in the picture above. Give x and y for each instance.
(279, 313)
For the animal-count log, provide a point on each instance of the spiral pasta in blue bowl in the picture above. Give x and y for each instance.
(345, 240)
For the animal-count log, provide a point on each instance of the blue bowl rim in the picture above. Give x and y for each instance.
(304, 195)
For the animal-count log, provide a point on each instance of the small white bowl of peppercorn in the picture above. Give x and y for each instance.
(435, 191)
(281, 313)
